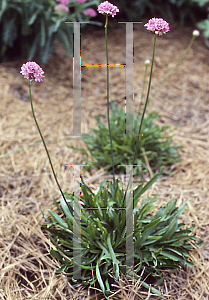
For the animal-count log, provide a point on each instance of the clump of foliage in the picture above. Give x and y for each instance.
(160, 242)
(155, 143)
(30, 27)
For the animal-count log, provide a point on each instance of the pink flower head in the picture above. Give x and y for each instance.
(108, 9)
(32, 70)
(81, 1)
(63, 1)
(90, 12)
(61, 7)
(157, 26)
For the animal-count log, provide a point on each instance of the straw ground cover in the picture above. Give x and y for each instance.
(26, 184)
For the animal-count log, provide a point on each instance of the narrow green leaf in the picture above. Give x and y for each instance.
(189, 263)
(99, 278)
(137, 194)
(152, 289)
(66, 208)
(45, 218)
(170, 230)
(34, 16)
(61, 269)
(148, 229)
(59, 220)
(43, 33)
(171, 256)
(183, 253)
(56, 254)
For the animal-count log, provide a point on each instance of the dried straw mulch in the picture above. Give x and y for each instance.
(26, 183)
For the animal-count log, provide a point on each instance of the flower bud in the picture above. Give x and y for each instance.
(147, 62)
(196, 32)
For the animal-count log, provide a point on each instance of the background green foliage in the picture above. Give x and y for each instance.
(182, 11)
(160, 243)
(156, 142)
(204, 24)
(190, 12)
(30, 27)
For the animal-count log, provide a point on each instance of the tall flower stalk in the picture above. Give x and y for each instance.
(157, 27)
(147, 98)
(147, 63)
(32, 70)
(108, 9)
(108, 101)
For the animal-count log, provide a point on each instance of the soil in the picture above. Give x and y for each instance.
(27, 271)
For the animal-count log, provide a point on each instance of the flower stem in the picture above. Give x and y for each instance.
(55, 177)
(108, 102)
(145, 75)
(173, 69)
(147, 98)
(145, 106)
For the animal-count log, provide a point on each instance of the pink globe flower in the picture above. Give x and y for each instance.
(81, 1)
(32, 70)
(90, 12)
(157, 26)
(108, 9)
(61, 7)
(63, 1)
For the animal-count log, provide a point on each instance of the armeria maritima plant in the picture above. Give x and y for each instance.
(159, 242)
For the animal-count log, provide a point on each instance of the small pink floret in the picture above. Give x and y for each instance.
(62, 7)
(32, 70)
(157, 26)
(108, 9)
(90, 12)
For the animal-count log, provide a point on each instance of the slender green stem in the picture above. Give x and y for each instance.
(55, 177)
(147, 98)
(145, 75)
(145, 106)
(108, 102)
(173, 69)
